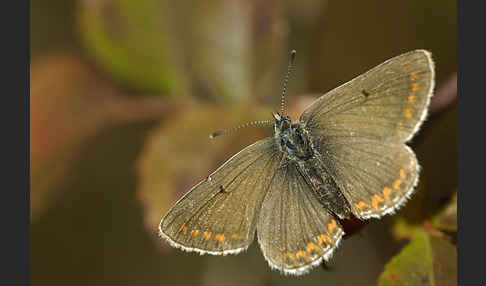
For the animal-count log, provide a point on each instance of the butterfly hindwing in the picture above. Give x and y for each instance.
(375, 177)
(295, 231)
(218, 215)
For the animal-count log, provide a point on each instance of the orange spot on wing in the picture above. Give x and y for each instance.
(403, 173)
(288, 255)
(375, 200)
(184, 228)
(300, 253)
(386, 193)
(194, 232)
(220, 237)
(311, 246)
(414, 75)
(407, 112)
(411, 98)
(331, 226)
(236, 236)
(396, 184)
(361, 205)
(206, 235)
(321, 238)
(415, 86)
(399, 128)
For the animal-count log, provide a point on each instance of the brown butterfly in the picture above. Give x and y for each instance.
(345, 155)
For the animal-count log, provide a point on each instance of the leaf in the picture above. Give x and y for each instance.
(426, 260)
(70, 103)
(128, 39)
(215, 48)
(446, 219)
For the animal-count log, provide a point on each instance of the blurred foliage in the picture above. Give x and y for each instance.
(446, 220)
(221, 44)
(427, 260)
(108, 159)
(128, 40)
(212, 47)
(69, 104)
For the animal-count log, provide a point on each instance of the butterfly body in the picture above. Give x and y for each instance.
(295, 142)
(324, 187)
(293, 139)
(346, 154)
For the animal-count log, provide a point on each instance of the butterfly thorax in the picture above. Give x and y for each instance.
(293, 139)
(295, 142)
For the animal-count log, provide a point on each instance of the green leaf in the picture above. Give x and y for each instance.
(426, 260)
(446, 219)
(128, 39)
(211, 49)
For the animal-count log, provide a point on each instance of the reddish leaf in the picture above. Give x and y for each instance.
(69, 104)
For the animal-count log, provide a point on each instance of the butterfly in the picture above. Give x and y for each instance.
(346, 155)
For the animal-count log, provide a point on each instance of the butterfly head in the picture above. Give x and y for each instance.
(282, 122)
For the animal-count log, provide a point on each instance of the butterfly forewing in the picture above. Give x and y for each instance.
(359, 130)
(388, 103)
(218, 215)
(295, 231)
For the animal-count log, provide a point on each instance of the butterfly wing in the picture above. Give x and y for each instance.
(218, 215)
(387, 103)
(295, 231)
(360, 129)
(375, 177)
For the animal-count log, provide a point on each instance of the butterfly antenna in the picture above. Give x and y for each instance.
(286, 80)
(248, 124)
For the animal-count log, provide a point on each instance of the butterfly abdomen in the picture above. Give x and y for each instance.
(324, 187)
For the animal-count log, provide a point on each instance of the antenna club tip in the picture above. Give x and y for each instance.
(217, 133)
(292, 56)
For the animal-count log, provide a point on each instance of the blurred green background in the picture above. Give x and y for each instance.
(125, 93)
